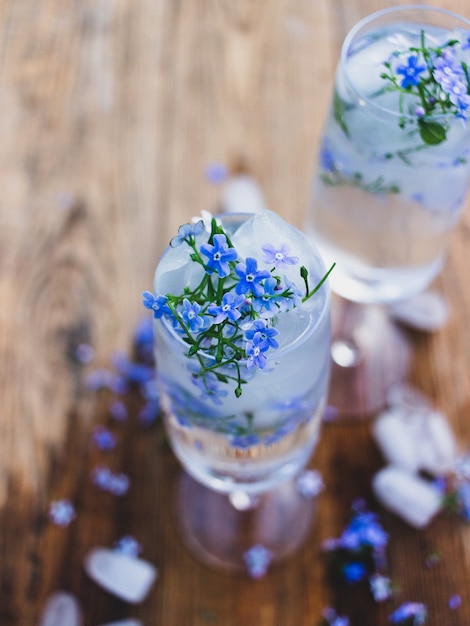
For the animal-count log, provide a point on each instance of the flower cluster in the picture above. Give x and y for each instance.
(439, 79)
(359, 553)
(455, 488)
(228, 319)
(410, 613)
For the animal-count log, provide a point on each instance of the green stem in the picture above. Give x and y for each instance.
(318, 285)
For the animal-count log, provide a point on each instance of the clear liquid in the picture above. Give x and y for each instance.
(384, 205)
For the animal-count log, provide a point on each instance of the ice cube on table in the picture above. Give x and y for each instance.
(426, 311)
(61, 609)
(413, 499)
(391, 432)
(128, 578)
(407, 397)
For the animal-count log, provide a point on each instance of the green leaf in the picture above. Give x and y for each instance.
(339, 107)
(431, 133)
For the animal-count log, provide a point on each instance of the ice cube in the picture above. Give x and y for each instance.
(129, 578)
(62, 609)
(176, 270)
(267, 227)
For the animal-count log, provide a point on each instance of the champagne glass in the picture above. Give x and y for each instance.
(242, 339)
(392, 177)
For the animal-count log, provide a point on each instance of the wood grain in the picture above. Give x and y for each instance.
(110, 112)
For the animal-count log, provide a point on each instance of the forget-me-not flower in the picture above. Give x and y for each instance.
(411, 72)
(250, 277)
(278, 257)
(219, 255)
(255, 351)
(229, 309)
(157, 304)
(257, 559)
(61, 512)
(267, 302)
(190, 314)
(408, 610)
(186, 233)
(264, 332)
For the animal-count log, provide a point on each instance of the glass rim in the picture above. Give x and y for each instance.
(419, 8)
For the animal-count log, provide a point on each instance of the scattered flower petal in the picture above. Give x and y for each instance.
(310, 484)
(128, 545)
(257, 560)
(216, 173)
(104, 479)
(103, 438)
(454, 602)
(408, 610)
(61, 512)
(380, 587)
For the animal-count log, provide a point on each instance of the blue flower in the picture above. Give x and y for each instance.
(463, 500)
(354, 572)
(61, 512)
(186, 232)
(265, 333)
(268, 302)
(216, 173)
(466, 44)
(456, 89)
(292, 296)
(416, 610)
(278, 257)
(104, 479)
(364, 530)
(227, 310)
(103, 438)
(309, 484)
(219, 255)
(255, 350)
(129, 546)
(250, 277)
(190, 315)
(157, 304)
(380, 587)
(327, 160)
(411, 72)
(257, 560)
(454, 602)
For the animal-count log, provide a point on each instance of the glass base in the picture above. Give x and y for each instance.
(219, 530)
(369, 354)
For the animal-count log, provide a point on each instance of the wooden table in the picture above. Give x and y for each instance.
(110, 113)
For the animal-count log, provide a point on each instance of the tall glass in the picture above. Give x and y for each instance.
(394, 161)
(244, 429)
(395, 153)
